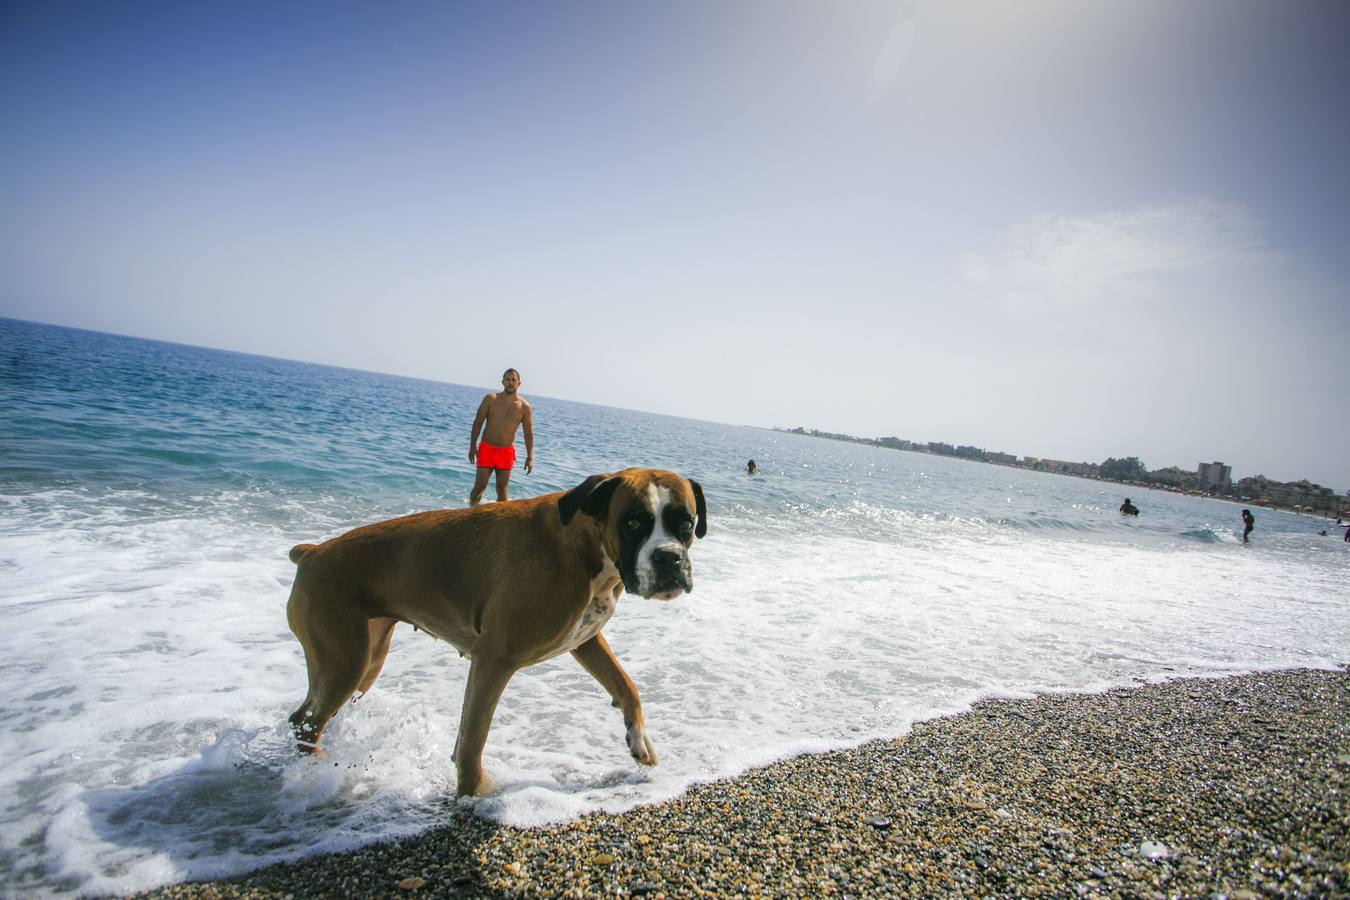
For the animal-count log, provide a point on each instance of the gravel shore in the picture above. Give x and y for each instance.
(1192, 788)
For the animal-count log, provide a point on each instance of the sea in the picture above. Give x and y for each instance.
(149, 493)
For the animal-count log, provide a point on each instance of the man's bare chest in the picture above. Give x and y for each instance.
(506, 411)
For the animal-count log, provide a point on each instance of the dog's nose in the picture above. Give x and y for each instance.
(666, 559)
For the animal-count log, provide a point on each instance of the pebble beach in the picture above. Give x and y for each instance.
(1227, 787)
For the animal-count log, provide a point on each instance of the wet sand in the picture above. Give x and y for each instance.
(1229, 786)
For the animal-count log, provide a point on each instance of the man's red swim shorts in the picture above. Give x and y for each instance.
(491, 456)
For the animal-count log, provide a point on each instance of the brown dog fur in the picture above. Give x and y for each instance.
(509, 585)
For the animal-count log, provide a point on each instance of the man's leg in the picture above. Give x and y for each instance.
(479, 485)
(503, 479)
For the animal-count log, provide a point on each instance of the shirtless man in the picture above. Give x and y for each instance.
(502, 412)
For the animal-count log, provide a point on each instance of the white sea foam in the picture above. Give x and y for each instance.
(148, 669)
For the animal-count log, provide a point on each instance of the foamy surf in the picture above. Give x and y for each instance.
(842, 595)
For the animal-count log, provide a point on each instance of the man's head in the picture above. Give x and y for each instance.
(510, 381)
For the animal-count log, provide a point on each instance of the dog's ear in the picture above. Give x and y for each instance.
(591, 497)
(570, 503)
(701, 507)
(596, 503)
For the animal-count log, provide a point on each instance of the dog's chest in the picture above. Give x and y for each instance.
(592, 620)
(605, 589)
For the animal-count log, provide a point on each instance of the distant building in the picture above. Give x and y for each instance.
(1215, 475)
(1172, 477)
(1064, 467)
(1301, 494)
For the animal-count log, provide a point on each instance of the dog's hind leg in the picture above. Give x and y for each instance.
(486, 682)
(596, 657)
(300, 726)
(297, 616)
(337, 656)
(381, 633)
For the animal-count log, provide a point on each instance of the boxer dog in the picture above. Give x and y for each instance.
(510, 585)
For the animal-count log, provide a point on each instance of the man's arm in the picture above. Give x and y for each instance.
(527, 421)
(478, 421)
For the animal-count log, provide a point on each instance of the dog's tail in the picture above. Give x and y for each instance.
(300, 551)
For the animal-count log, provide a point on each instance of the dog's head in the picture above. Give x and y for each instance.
(648, 518)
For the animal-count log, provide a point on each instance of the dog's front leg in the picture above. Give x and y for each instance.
(595, 657)
(486, 682)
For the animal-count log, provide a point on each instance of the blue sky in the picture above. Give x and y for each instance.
(1066, 229)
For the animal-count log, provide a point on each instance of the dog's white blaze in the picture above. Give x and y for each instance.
(658, 498)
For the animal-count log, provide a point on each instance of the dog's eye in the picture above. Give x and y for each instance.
(686, 526)
(634, 524)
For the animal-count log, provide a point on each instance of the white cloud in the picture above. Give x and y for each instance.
(895, 50)
(1058, 260)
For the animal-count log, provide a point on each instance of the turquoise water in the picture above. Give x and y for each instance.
(96, 412)
(149, 493)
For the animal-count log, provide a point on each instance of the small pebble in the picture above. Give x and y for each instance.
(1153, 850)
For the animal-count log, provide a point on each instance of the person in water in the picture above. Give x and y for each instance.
(1249, 522)
(751, 468)
(502, 412)
(1129, 508)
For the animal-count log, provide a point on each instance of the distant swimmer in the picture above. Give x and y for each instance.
(1249, 521)
(502, 412)
(751, 468)
(1129, 508)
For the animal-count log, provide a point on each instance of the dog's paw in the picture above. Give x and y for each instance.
(483, 785)
(305, 742)
(641, 746)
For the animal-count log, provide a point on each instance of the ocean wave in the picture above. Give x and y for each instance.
(1211, 536)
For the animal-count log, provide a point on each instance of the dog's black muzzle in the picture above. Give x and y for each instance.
(671, 573)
